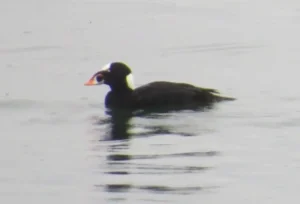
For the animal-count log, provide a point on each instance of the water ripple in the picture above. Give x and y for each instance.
(213, 47)
(28, 49)
(154, 188)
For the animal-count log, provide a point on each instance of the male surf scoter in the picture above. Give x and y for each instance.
(155, 95)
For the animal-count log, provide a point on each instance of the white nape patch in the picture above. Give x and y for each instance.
(106, 67)
(129, 81)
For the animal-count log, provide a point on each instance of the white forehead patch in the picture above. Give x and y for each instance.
(106, 67)
(129, 81)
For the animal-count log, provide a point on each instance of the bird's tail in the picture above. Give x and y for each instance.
(226, 98)
(220, 97)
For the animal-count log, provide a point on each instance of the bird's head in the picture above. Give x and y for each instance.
(116, 75)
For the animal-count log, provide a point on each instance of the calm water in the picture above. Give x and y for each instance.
(57, 140)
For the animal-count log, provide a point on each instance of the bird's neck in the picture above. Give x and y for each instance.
(121, 89)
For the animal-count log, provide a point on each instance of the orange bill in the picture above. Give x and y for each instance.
(91, 82)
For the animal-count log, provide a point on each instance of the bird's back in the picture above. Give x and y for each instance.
(169, 94)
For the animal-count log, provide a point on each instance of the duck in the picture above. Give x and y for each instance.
(154, 95)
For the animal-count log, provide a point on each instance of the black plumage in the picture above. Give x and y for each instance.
(155, 95)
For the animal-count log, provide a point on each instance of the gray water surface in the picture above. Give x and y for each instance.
(57, 141)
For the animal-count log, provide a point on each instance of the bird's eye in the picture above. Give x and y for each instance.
(99, 78)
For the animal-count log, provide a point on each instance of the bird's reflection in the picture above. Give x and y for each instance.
(118, 164)
(122, 164)
(119, 126)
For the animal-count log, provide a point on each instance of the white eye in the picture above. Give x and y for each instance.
(99, 78)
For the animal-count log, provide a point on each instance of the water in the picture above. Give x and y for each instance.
(56, 139)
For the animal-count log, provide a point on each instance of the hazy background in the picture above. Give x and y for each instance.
(56, 142)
